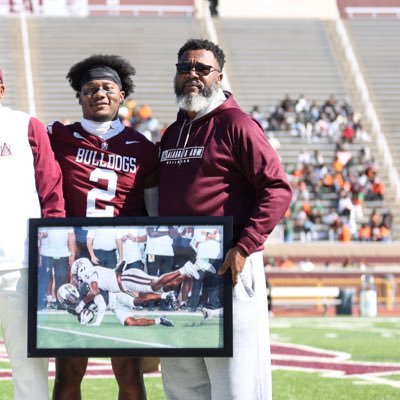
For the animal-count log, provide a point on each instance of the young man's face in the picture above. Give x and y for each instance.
(197, 79)
(100, 100)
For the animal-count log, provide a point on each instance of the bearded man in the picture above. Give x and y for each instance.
(216, 160)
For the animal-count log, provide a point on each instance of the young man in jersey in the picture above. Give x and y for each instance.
(31, 187)
(109, 170)
(215, 160)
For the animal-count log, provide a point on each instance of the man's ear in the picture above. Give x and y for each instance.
(122, 96)
(79, 99)
(2, 90)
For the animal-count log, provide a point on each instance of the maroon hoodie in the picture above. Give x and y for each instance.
(222, 165)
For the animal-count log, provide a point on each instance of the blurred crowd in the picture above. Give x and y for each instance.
(350, 183)
(141, 118)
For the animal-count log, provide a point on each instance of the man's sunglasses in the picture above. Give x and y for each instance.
(199, 68)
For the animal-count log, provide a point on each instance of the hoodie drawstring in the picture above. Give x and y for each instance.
(186, 139)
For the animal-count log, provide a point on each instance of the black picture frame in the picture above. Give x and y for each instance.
(54, 332)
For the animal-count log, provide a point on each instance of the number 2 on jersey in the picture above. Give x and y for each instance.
(101, 194)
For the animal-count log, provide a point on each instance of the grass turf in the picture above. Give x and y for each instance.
(374, 339)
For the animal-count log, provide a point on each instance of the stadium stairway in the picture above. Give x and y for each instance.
(12, 64)
(376, 43)
(269, 58)
(150, 43)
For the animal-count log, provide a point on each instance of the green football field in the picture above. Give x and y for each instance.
(62, 330)
(330, 358)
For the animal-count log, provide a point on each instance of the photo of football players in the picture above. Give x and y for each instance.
(98, 303)
(129, 280)
(90, 310)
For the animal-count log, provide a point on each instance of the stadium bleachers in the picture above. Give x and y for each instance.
(266, 60)
(148, 42)
(376, 42)
(271, 58)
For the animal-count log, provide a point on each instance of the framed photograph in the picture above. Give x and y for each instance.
(129, 286)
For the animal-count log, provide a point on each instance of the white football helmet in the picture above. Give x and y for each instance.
(68, 294)
(79, 267)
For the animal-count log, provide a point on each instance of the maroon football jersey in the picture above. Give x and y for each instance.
(104, 178)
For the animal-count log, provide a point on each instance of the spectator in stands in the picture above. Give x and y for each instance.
(286, 263)
(274, 141)
(348, 133)
(364, 233)
(345, 204)
(287, 104)
(306, 264)
(259, 116)
(301, 105)
(288, 227)
(375, 221)
(236, 173)
(124, 115)
(332, 220)
(317, 158)
(377, 189)
(385, 233)
(304, 157)
(344, 232)
(352, 178)
(214, 8)
(147, 124)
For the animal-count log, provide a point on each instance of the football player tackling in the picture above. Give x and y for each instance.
(94, 308)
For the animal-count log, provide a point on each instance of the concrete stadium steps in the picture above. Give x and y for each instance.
(150, 43)
(377, 45)
(269, 58)
(12, 64)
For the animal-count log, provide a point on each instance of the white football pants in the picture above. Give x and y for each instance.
(245, 376)
(29, 374)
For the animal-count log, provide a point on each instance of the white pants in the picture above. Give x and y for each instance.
(29, 374)
(245, 376)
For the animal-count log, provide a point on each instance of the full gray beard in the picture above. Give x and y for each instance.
(195, 103)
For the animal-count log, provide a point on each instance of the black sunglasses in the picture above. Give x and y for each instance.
(199, 68)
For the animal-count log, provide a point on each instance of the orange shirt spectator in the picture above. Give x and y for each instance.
(328, 180)
(286, 263)
(338, 180)
(378, 188)
(345, 233)
(337, 165)
(145, 112)
(385, 233)
(307, 207)
(365, 233)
